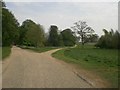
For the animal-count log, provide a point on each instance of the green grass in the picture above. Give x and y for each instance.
(103, 62)
(5, 52)
(40, 49)
(0, 53)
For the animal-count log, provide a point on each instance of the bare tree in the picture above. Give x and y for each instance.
(82, 29)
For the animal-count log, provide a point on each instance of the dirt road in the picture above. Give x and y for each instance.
(27, 69)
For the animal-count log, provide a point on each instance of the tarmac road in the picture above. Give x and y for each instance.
(27, 69)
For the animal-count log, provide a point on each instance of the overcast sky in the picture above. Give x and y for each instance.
(98, 15)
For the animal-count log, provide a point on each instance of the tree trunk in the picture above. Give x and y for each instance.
(82, 40)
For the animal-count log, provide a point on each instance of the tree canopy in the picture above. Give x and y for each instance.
(68, 37)
(31, 34)
(83, 30)
(63, 38)
(110, 39)
(9, 28)
(53, 38)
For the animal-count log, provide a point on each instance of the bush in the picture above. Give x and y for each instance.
(109, 40)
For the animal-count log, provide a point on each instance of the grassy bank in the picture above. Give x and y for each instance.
(5, 52)
(103, 62)
(40, 49)
(0, 53)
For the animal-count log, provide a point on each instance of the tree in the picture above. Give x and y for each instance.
(60, 40)
(109, 39)
(53, 36)
(10, 25)
(0, 23)
(23, 31)
(116, 40)
(3, 4)
(31, 34)
(82, 29)
(42, 36)
(68, 37)
(92, 38)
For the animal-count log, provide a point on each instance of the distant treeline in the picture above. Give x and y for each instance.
(32, 34)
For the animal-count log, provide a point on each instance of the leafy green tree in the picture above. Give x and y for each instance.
(53, 36)
(60, 40)
(0, 23)
(23, 31)
(68, 37)
(109, 40)
(116, 40)
(42, 36)
(31, 34)
(10, 25)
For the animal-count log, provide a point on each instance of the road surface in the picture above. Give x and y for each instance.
(27, 69)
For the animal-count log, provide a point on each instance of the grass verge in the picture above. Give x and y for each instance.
(39, 50)
(0, 53)
(103, 62)
(5, 52)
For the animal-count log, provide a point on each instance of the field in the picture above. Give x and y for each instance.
(5, 52)
(103, 62)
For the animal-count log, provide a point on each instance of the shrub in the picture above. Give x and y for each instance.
(109, 40)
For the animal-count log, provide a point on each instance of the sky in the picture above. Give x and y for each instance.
(98, 15)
